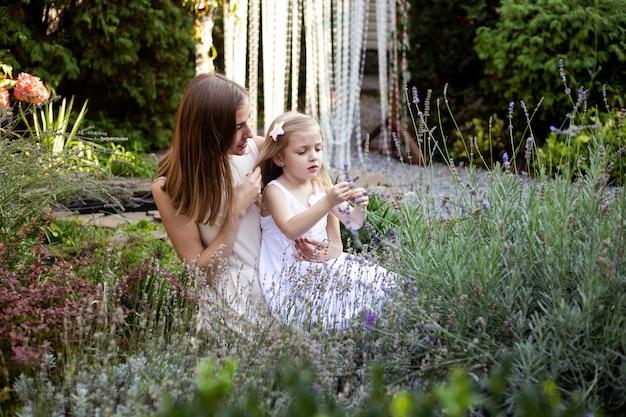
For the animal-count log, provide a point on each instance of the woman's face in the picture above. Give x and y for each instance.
(243, 132)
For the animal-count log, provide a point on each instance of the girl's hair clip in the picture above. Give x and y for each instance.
(277, 130)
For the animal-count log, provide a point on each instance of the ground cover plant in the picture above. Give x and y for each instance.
(511, 302)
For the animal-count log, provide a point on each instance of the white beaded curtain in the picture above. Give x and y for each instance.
(334, 41)
(253, 59)
(350, 18)
(318, 62)
(383, 13)
(235, 39)
(334, 38)
(275, 18)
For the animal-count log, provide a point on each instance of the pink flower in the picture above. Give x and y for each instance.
(31, 89)
(4, 99)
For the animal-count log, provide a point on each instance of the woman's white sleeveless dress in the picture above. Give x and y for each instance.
(237, 286)
(331, 293)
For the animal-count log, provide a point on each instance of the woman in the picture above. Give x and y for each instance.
(205, 189)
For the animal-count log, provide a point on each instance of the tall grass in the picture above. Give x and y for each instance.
(511, 301)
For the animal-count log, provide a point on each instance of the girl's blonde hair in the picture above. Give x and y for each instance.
(197, 167)
(292, 122)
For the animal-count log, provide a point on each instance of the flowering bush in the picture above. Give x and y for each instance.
(30, 89)
(26, 88)
(59, 131)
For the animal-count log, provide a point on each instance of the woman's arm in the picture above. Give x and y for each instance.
(185, 235)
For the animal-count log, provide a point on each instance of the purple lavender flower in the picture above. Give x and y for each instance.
(426, 339)
(562, 71)
(392, 236)
(528, 147)
(523, 104)
(346, 171)
(486, 205)
(563, 77)
(416, 99)
(370, 320)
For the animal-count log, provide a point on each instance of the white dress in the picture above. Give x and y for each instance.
(237, 285)
(331, 293)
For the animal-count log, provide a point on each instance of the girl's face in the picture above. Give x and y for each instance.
(243, 132)
(302, 158)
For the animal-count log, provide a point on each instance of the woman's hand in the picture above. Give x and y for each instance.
(247, 192)
(313, 250)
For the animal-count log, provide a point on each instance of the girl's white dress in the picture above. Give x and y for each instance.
(329, 293)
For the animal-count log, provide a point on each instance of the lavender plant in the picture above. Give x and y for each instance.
(511, 301)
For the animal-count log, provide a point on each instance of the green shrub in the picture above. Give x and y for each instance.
(521, 53)
(129, 59)
(567, 151)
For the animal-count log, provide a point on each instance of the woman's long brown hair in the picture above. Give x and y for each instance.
(197, 168)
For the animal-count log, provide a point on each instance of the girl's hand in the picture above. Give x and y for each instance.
(359, 197)
(339, 193)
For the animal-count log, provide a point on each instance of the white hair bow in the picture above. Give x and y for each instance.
(277, 130)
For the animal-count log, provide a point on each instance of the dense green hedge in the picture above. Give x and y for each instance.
(522, 53)
(130, 59)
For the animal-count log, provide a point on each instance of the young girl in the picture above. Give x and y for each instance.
(305, 282)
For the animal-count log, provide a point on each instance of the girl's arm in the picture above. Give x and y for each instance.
(185, 235)
(353, 216)
(294, 226)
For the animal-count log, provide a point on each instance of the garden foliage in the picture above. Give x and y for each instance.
(129, 59)
(521, 53)
(511, 301)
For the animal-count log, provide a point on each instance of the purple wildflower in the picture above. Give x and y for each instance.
(604, 208)
(426, 339)
(563, 77)
(558, 131)
(486, 205)
(416, 99)
(528, 147)
(523, 104)
(392, 236)
(511, 106)
(370, 320)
